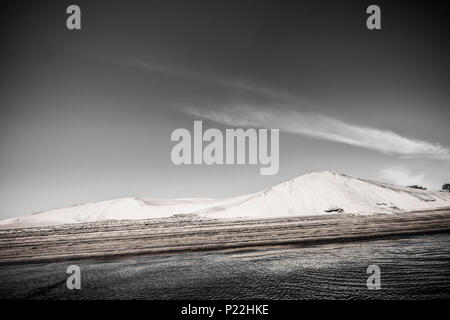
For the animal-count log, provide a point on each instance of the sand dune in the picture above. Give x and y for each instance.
(317, 193)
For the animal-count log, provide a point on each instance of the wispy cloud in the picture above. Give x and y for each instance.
(226, 81)
(327, 128)
(293, 121)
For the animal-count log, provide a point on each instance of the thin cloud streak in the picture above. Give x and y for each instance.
(229, 82)
(326, 128)
(308, 124)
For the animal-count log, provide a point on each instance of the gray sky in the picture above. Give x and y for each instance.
(87, 115)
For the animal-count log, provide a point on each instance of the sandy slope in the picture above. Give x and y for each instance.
(310, 194)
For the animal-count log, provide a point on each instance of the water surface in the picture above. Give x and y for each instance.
(416, 267)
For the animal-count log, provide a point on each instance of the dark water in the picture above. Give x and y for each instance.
(411, 268)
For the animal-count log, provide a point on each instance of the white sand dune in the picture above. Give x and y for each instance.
(310, 194)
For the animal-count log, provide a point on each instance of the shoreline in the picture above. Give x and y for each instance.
(120, 239)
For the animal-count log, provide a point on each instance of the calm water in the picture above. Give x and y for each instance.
(417, 267)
